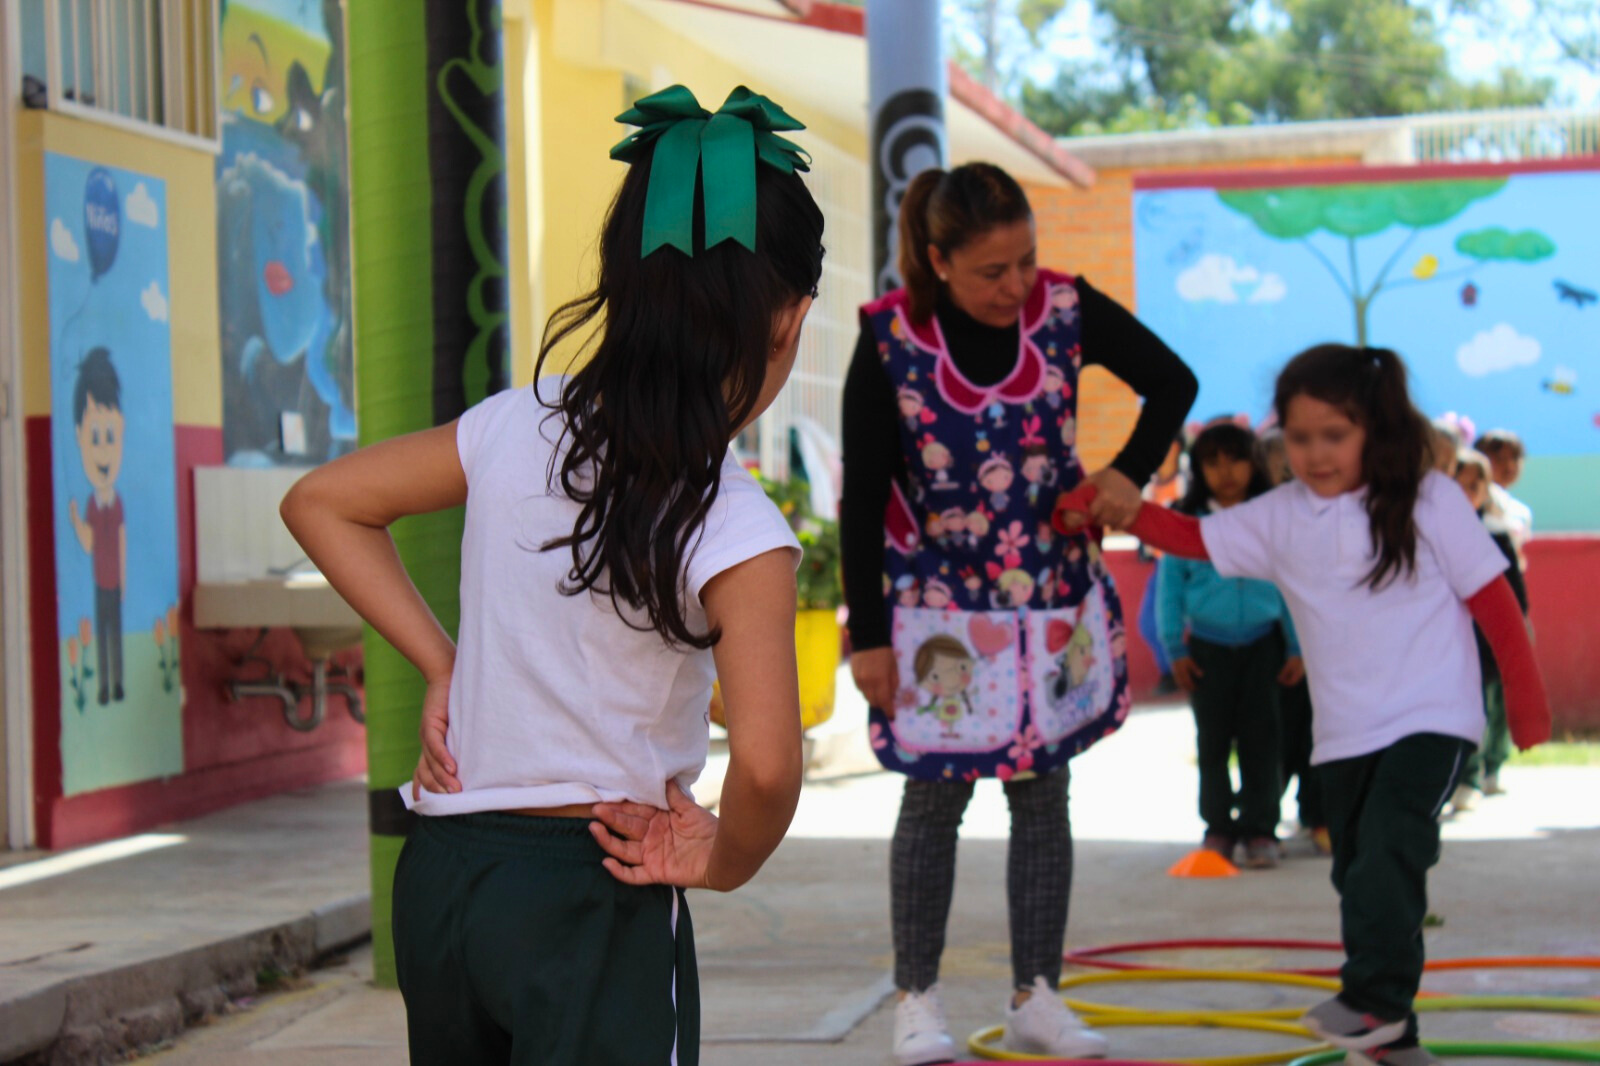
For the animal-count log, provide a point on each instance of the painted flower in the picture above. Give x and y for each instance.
(72, 651)
(172, 620)
(1009, 543)
(1004, 772)
(85, 632)
(161, 630)
(971, 775)
(875, 734)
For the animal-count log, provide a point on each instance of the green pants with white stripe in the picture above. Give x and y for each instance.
(1383, 814)
(515, 947)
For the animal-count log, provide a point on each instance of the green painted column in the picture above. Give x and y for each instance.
(430, 317)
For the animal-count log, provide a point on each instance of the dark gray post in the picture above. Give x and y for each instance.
(907, 83)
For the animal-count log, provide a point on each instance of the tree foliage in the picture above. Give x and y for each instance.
(1170, 64)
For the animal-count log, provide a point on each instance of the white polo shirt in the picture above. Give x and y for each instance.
(555, 699)
(1382, 664)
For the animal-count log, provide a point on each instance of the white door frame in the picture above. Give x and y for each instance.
(18, 706)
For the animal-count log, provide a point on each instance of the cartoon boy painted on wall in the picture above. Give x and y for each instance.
(97, 420)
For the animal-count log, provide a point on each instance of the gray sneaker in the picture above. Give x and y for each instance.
(1415, 1055)
(1344, 1027)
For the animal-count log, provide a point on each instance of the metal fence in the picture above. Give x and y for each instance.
(1504, 136)
(138, 63)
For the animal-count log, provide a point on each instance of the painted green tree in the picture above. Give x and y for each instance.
(1358, 211)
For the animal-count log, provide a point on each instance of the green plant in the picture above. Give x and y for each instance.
(818, 576)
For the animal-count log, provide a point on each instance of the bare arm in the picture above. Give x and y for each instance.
(83, 529)
(754, 604)
(341, 513)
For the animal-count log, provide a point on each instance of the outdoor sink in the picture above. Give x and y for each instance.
(252, 575)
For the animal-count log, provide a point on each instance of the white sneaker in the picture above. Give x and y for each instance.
(1046, 1026)
(920, 1033)
(1462, 800)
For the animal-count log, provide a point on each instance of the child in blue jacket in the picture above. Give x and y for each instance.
(1232, 647)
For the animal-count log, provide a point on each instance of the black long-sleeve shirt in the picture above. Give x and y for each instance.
(1111, 337)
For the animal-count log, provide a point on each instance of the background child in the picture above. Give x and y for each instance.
(1483, 772)
(1294, 701)
(1165, 488)
(1505, 453)
(1384, 568)
(614, 554)
(1232, 647)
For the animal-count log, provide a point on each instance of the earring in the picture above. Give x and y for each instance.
(944, 277)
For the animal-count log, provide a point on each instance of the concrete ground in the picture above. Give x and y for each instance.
(793, 966)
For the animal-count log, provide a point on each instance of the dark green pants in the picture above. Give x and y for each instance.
(1236, 705)
(1295, 702)
(1496, 735)
(515, 947)
(1383, 814)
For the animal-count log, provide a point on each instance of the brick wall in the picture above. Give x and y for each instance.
(1090, 232)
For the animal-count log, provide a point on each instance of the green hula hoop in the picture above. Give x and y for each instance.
(1543, 1052)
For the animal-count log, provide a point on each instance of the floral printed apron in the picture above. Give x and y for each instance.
(1008, 636)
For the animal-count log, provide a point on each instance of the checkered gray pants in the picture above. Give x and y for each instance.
(922, 876)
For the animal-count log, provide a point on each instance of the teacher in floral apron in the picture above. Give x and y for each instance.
(986, 644)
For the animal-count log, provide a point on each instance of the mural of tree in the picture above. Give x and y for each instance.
(1357, 211)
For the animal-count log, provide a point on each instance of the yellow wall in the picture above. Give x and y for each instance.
(191, 254)
(569, 66)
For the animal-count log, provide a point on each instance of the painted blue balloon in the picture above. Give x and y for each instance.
(102, 221)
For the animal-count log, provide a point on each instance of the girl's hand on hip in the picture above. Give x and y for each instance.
(436, 769)
(1293, 672)
(646, 845)
(1187, 673)
(1116, 504)
(877, 676)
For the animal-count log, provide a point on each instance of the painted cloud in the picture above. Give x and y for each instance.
(61, 241)
(140, 207)
(1496, 349)
(1214, 277)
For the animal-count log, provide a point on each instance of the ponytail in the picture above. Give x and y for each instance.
(948, 209)
(1369, 385)
(916, 269)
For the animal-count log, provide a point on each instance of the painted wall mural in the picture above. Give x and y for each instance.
(1479, 276)
(115, 503)
(283, 245)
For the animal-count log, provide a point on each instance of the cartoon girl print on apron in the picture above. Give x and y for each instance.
(1008, 637)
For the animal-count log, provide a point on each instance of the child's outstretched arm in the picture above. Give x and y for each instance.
(1157, 526)
(341, 512)
(1494, 608)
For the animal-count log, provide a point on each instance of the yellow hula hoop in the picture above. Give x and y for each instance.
(1109, 1010)
(985, 1042)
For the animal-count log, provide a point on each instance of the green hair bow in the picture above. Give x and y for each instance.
(721, 148)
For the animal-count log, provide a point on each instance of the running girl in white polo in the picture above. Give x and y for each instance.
(1385, 568)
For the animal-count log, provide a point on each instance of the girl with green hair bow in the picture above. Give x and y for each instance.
(615, 559)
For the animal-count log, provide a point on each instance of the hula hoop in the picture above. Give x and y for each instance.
(1092, 957)
(1555, 1052)
(983, 1043)
(1434, 1004)
(1107, 1010)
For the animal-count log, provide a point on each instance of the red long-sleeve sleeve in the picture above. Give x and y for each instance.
(1494, 608)
(1162, 529)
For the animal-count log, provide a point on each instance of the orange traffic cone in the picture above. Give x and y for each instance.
(1203, 862)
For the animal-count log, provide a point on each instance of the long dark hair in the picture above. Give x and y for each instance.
(1369, 385)
(1226, 439)
(677, 365)
(947, 209)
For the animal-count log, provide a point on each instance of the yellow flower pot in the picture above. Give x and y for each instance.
(816, 649)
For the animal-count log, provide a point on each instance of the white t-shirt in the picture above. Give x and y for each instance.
(555, 699)
(1381, 665)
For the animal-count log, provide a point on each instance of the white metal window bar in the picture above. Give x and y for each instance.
(150, 66)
